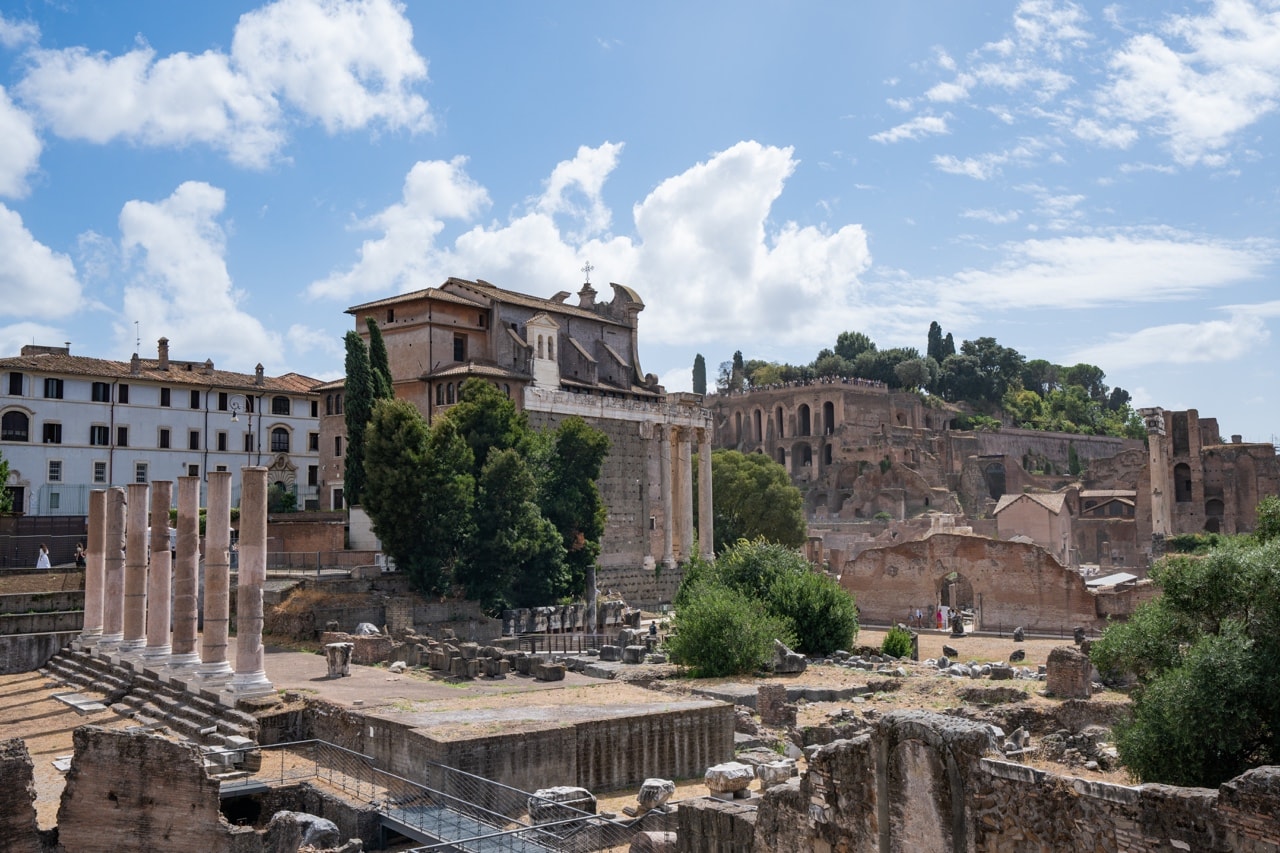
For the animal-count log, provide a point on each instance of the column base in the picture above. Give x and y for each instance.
(184, 663)
(107, 645)
(131, 650)
(156, 656)
(244, 685)
(214, 674)
(87, 640)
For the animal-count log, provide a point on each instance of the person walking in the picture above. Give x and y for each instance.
(42, 561)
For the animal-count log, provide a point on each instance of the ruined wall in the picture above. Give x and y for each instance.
(140, 792)
(19, 830)
(1012, 584)
(298, 532)
(28, 652)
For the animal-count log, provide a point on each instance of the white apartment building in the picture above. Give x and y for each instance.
(70, 424)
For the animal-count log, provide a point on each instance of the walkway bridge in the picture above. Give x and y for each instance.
(449, 810)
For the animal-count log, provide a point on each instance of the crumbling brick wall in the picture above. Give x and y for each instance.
(19, 831)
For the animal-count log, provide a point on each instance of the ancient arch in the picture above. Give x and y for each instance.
(955, 591)
(993, 475)
(757, 419)
(828, 417)
(778, 418)
(803, 420)
(1182, 482)
(1214, 511)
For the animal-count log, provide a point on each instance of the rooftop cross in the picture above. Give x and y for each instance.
(586, 271)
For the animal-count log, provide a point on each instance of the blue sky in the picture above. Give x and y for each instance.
(1083, 182)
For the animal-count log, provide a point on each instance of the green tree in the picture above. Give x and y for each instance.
(379, 364)
(752, 496)
(358, 396)
(570, 499)
(1089, 377)
(914, 373)
(850, 345)
(488, 420)
(720, 631)
(821, 613)
(1040, 376)
(933, 348)
(6, 496)
(1267, 529)
(1207, 702)
(699, 374)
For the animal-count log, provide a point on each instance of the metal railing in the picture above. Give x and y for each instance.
(449, 810)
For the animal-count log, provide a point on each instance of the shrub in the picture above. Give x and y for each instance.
(719, 631)
(897, 643)
(821, 613)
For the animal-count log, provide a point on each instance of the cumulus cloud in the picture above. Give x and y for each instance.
(17, 33)
(180, 286)
(19, 147)
(712, 265)
(35, 281)
(1209, 341)
(915, 129)
(346, 65)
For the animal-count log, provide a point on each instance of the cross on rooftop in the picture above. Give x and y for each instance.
(586, 271)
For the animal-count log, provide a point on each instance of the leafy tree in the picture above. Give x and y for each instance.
(571, 499)
(915, 372)
(1207, 704)
(379, 364)
(6, 497)
(699, 374)
(752, 496)
(1040, 376)
(1089, 377)
(358, 396)
(880, 365)
(720, 631)
(829, 364)
(821, 613)
(1268, 527)
(488, 420)
(850, 345)
(1119, 399)
(934, 347)
(998, 367)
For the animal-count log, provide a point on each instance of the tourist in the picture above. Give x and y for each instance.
(42, 562)
(80, 555)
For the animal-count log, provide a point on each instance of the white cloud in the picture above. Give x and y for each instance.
(949, 92)
(584, 175)
(917, 128)
(346, 65)
(1224, 79)
(13, 338)
(1210, 341)
(681, 379)
(15, 34)
(34, 280)
(979, 168)
(181, 288)
(1117, 136)
(995, 217)
(305, 340)
(19, 147)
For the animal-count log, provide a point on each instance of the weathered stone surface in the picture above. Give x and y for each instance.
(633, 654)
(544, 671)
(1018, 634)
(338, 657)
(1017, 656)
(728, 777)
(562, 802)
(774, 773)
(610, 653)
(18, 828)
(1067, 673)
(950, 651)
(713, 825)
(786, 661)
(287, 831)
(654, 794)
(653, 842)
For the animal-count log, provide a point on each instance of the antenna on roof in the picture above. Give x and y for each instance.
(137, 337)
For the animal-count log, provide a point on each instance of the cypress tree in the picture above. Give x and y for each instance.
(699, 374)
(378, 362)
(358, 407)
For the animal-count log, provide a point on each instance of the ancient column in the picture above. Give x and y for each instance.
(135, 571)
(113, 571)
(686, 492)
(668, 515)
(93, 568)
(706, 523)
(251, 676)
(159, 578)
(214, 666)
(186, 576)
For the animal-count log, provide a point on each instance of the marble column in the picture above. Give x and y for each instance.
(159, 578)
(706, 521)
(113, 571)
(214, 667)
(685, 464)
(93, 568)
(135, 571)
(186, 577)
(250, 678)
(668, 514)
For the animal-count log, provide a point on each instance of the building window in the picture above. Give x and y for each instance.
(338, 401)
(52, 433)
(222, 401)
(315, 408)
(15, 384)
(139, 472)
(480, 321)
(222, 441)
(280, 406)
(55, 500)
(164, 438)
(220, 468)
(55, 471)
(101, 392)
(459, 347)
(391, 315)
(195, 399)
(53, 389)
(98, 436)
(122, 393)
(164, 396)
(338, 500)
(99, 472)
(193, 439)
(193, 470)
(122, 436)
(248, 404)
(14, 426)
(440, 394)
(279, 440)
(248, 442)
(328, 404)
(313, 442)
(448, 394)
(337, 445)
(313, 475)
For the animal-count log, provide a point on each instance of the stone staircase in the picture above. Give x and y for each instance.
(142, 695)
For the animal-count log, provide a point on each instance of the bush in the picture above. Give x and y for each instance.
(821, 613)
(897, 643)
(719, 631)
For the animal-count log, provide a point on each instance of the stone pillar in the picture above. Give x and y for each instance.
(214, 667)
(135, 571)
(668, 495)
(250, 678)
(186, 576)
(93, 568)
(159, 577)
(686, 493)
(706, 521)
(113, 571)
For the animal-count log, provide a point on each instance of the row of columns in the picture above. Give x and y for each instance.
(142, 603)
(675, 465)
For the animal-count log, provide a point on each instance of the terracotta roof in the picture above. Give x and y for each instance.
(473, 369)
(1052, 502)
(413, 296)
(1108, 493)
(510, 297)
(179, 373)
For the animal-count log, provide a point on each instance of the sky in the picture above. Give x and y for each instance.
(1081, 181)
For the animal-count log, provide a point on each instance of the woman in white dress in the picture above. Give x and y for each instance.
(42, 562)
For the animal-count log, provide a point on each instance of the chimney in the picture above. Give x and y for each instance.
(164, 353)
(257, 375)
(587, 296)
(208, 367)
(135, 366)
